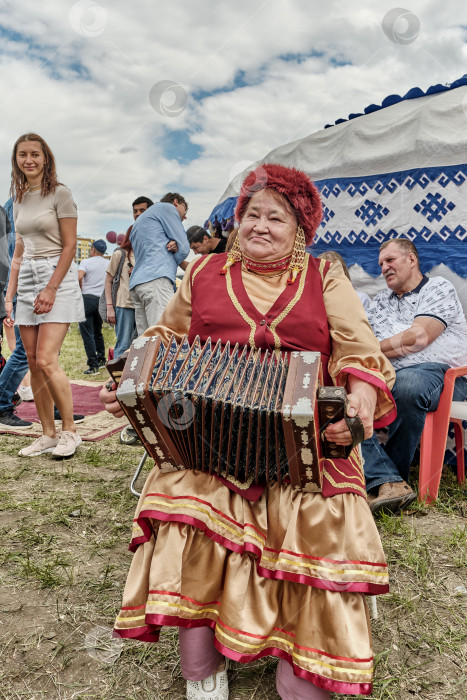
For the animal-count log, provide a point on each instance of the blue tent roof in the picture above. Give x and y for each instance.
(412, 94)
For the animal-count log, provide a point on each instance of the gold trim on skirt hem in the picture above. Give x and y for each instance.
(276, 576)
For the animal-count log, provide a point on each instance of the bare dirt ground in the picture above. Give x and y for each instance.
(65, 530)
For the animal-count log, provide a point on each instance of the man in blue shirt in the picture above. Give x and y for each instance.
(159, 243)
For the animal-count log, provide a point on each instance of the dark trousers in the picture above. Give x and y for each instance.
(13, 374)
(91, 332)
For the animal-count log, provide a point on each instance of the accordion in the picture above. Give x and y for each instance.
(247, 416)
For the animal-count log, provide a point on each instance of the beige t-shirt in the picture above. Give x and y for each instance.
(123, 292)
(36, 221)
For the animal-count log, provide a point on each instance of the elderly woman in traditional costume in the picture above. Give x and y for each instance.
(277, 572)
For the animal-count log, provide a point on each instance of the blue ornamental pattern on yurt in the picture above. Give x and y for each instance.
(360, 213)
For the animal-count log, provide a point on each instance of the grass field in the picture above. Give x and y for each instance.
(65, 531)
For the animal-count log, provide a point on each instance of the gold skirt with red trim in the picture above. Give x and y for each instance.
(284, 575)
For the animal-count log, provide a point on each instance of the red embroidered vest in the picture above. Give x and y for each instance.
(222, 309)
(297, 320)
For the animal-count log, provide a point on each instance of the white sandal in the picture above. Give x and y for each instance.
(214, 687)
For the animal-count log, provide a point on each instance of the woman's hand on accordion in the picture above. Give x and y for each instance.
(108, 396)
(361, 401)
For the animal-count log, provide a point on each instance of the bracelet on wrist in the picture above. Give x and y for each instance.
(8, 301)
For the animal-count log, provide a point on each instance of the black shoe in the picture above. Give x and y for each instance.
(10, 419)
(102, 365)
(16, 399)
(91, 370)
(77, 417)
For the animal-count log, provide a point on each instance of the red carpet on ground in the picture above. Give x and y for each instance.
(85, 401)
(98, 424)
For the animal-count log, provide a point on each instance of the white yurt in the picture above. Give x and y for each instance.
(396, 169)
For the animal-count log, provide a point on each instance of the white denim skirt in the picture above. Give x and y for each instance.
(34, 275)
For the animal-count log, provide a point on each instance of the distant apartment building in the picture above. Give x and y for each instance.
(83, 248)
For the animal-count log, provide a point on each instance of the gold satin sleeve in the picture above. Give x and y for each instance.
(176, 317)
(354, 344)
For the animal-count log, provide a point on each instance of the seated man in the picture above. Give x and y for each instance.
(422, 330)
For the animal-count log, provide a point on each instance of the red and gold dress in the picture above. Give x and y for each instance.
(284, 574)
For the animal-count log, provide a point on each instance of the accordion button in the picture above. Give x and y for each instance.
(262, 323)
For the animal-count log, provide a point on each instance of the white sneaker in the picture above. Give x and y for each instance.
(214, 687)
(40, 446)
(67, 444)
(26, 393)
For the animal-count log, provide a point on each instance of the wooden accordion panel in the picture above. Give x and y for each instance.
(247, 416)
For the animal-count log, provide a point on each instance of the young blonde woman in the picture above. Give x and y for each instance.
(45, 278)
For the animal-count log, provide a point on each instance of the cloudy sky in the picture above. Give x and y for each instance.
(147, 97)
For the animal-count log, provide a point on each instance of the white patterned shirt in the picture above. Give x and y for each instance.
(434, 297)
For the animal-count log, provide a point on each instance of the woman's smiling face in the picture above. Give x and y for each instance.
(268, 227)
(30, 159)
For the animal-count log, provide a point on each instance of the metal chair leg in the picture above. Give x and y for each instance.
(137, 473)
(371, 599)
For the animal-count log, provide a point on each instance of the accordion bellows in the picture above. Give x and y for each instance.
(244, 415)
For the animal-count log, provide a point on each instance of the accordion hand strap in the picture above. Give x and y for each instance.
(336, 396)
(356, 428)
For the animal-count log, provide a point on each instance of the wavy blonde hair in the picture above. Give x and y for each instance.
(334, 256)
(19, 183)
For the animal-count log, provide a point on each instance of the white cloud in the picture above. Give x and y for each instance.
(85, 87)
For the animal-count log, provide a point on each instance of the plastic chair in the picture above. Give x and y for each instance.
(434, 436)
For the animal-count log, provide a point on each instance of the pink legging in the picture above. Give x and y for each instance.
(199, 659)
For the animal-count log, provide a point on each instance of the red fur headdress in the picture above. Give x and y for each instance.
(293, 184)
